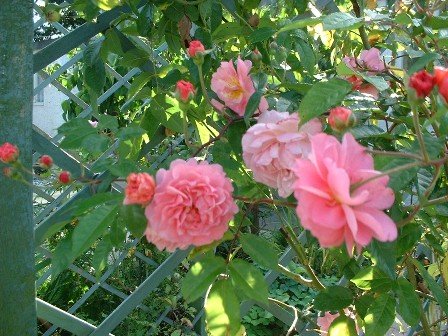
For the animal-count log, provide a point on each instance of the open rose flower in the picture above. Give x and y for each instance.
(271, 147)
(334, 203)
(234, 87)
(368, 60)
(8, 153)
(192, 205)
(140, 189)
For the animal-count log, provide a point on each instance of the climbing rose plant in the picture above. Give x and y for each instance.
(336, 122)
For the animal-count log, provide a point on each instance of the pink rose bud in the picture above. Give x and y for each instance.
(439, 75)
(185, 91)
(46, 162)
(7, 171)
(256, 56)
(341, 118)
(65, 177)
(422, 82)
(140, 189)
(8, 153)
(195, 47)
(443, 89)
(355, 81)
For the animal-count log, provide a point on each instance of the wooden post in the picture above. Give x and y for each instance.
(17, 289)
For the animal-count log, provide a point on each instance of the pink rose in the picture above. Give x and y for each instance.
(192, 205)
(271, 147)
(140, 189)
(234, 87)
(8, 153)
(368, 60)
(185, 91)
(330, 204)
(366, 88)
(341, 118)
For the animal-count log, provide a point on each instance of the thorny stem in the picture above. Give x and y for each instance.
(220, 134)
(294, 276)
(418, 132)
(202, 82)
(399, 154)
(362, 29)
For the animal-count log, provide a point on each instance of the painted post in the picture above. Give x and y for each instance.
(17, 290)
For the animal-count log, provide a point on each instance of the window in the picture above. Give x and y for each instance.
(39, 97)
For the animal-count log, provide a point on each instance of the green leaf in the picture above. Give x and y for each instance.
(408, 302)
(342, 326)
(333, 298)
(252, 105)
(261, 34)
(222, 310)
(134, 58)
(101, 254)
(200, 276)
(362, 304)
(117, 232)
(380, 315)
(135, 219)
(384, 255)
(437, 22)
(95, 143)
(249, 280)
(372, 278)
(90, 227)
(83, 205)
(306, 54)
(402, 178)
(421, 62)
(298, 24)
(260, 250)
(340, 20)
(167, 111)
(436, 289)
(366, 131)
(321, 97)
(408, 236)
(130, 132)
(227, 30)
(94, 67)
(138, 83)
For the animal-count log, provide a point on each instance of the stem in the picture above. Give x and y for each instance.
(362, 29)
(397, 154)
(296, 314)
(297, 247)
(203, 88)
(419, 134)
(294, 276)
(265, 201)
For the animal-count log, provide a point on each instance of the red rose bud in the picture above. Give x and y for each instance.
(422, 82)
(45, 162)
(256, 56)
(65, 177)
(8, 153)
(440, 74)
(355, 81)
(341, 118)
(185, 91)
(195, 47)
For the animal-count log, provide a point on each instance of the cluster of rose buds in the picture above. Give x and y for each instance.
(423, 82)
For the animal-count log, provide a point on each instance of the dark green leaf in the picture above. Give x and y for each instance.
(200, 276)
(384, 255)
(321, 97)
(252, 105)
(408, 236)
(421, 62)
(260, 250)
(261, 34)
(380, 315)
(363, 303)
(101, 254)
(333, 298)
(248, 280)
(135, 219)
(408, 302)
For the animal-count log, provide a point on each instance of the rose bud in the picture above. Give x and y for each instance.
(195, 47)
(440, 74)
(422, 82)
(8, 153)
(185, 91)
(256, 56)
(45, 162)
(341, 118)
(443, 89)
(65, 177)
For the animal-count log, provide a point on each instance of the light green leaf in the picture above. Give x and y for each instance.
(107, 4)
(222, 310)
(408, 302)
(298, 24)
(200, 276)
(261, 34)
(102, 251)
(260, 250)
(340, 20)
(321, 97)
(138, 83)
(380, 315)
(249, 280)
(333, 298)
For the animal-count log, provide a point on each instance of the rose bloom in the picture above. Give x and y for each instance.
(422, 82)
(8, 153)
(368, 60)
(140, 189)
(234, 87)
(327, 204)
(440, 74)
(46, 161)
(271, 147)
(341, 118)
(192, 205)
(185, 91)
(194, 47)
(365, 88)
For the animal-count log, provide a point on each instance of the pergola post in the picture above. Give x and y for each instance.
(17, 289)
